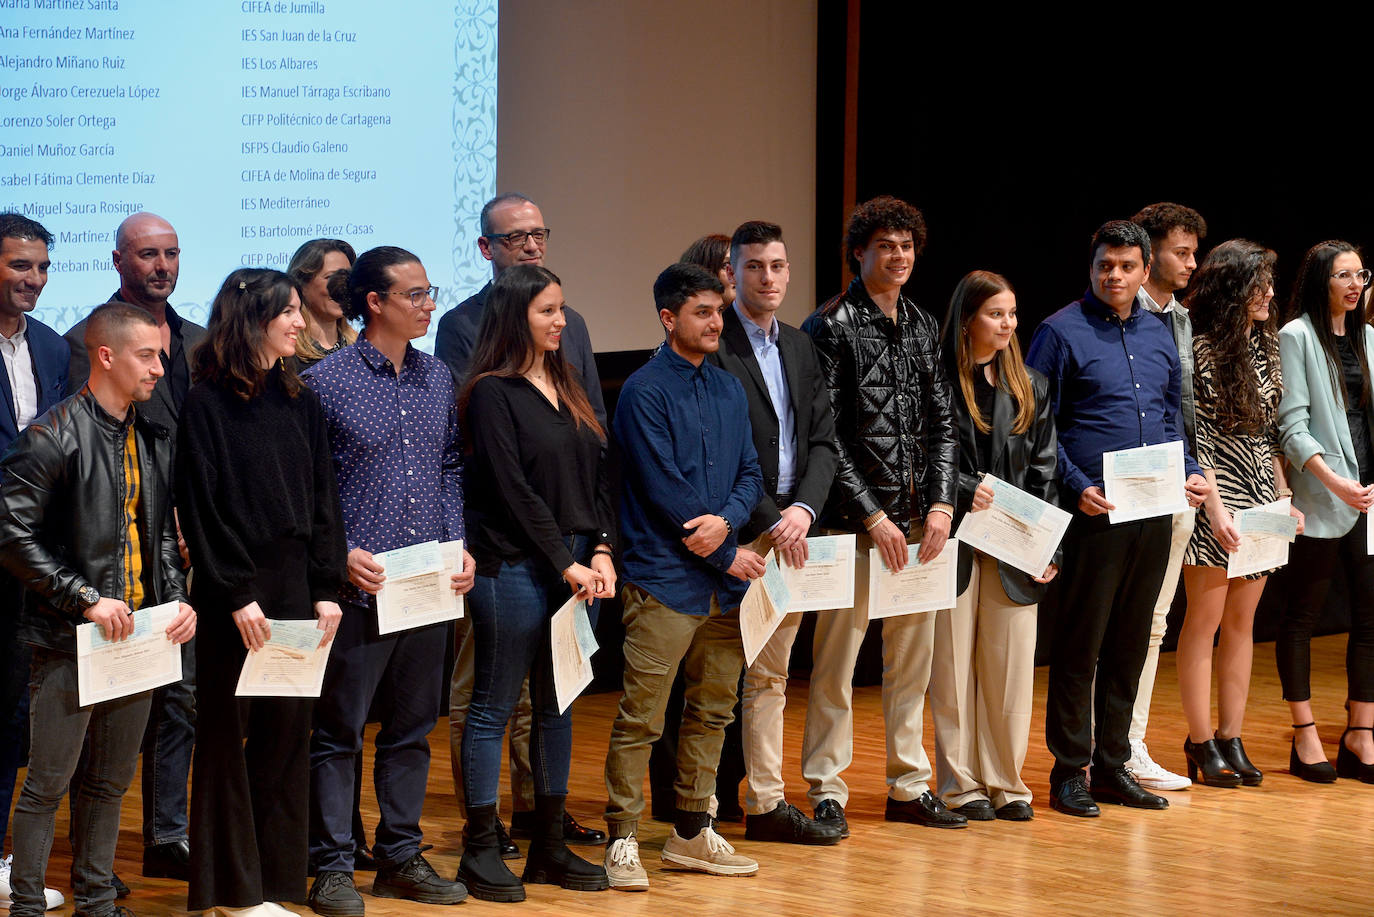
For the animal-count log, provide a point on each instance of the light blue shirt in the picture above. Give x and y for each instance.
(765, 345)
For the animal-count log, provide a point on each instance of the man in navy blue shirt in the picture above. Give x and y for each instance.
(691, 482)
(1114, 382)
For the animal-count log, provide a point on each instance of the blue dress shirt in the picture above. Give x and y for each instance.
(396, 445)
(689, 451)
(1113, 385)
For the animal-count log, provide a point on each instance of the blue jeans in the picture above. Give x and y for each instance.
(510, 624)
(58, 728)
(403, 672)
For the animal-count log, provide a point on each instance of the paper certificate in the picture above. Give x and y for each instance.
(417, 590)
(1265, 534)
(1018, 529)
(572, 642)
(146, 659)
(763, 608)
(291, 664)
(1144, 482)
(826, 583)
(917, 588)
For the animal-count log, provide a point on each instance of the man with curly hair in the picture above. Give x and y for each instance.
(1175, 232)
(895, 485)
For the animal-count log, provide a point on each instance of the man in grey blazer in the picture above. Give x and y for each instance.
(147, 255)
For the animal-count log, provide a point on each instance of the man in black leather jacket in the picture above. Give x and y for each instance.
(895, 485)
(86, 527)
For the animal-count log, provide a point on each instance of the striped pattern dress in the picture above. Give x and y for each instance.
(1242, 462)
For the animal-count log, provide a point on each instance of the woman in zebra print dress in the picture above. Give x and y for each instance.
(1237, 383)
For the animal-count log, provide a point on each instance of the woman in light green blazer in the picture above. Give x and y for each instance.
(1326, 417)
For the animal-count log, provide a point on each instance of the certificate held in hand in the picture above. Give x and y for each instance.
(1144, 482)
(826, 583)
(147, 659)
(1018, 529)
(417, 591)
(917, 587)
(762, 609)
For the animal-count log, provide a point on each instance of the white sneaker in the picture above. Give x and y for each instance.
(623, 868)
(707, 852)
(52, 897)
(1149, 774)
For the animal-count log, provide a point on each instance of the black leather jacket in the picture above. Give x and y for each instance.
(894, 418)
(61, 508)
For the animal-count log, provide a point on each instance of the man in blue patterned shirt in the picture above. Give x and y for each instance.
(393, 426)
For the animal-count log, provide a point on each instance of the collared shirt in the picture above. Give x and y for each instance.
(132, 562)
(765, 346)
(19, 367)
(689, 452)
(396, 447)
(1180, 325)
(1113, 385)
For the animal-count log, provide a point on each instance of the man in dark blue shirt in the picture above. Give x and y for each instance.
(1114, 382)
(692, 481)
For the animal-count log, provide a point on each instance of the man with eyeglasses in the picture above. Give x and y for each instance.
(513, 232)
(392, 417)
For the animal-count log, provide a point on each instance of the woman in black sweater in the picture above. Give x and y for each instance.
(260, 513)
(539, 519)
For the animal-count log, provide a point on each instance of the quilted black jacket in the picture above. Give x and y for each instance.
(894, 419)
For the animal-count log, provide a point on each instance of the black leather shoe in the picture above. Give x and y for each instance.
(573, 833)
(831, 813)
(926, 809)
(1072, 798)
(1018, 810)
(1206, 759)
(1234, 753)
(1316, 772)
(416, 880)
(1118, 787)
(363, 860)
(787, 825)
(168, 861)
(976, 810)
(1348, 764)
(333, 895)
(121, 890)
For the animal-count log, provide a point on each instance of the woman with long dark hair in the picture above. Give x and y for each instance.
(1236, 382)
(983, 668)
(313, 266)
(1325, 419)
(712, 251)
(539, 520)
(260, 514)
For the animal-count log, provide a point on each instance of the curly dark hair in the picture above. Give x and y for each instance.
(883, 212)
(1160, 219)
(1234, 275)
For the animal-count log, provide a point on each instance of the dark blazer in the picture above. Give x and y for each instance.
(1024, 460)
(163, 409)
(49, 354)
(815, 425)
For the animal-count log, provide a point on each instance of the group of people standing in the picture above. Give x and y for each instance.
(252, 470)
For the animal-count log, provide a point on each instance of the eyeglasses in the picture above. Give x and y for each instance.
(1346, 276)
(517, 239)
(417, 297)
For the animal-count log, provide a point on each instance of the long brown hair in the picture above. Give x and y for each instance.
(228, 356)
(504, 345)
(305, 264)
(976, 288)
(1235, 273)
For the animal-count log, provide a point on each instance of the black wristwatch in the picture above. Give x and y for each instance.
(88, 596)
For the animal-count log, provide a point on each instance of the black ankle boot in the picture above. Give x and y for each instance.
(482, 870)
(549, 861)
(1234, 753)
(1206, 757)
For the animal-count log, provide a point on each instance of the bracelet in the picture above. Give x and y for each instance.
(609, 553)
(729, 529)
(874, 520)
(1285, 492)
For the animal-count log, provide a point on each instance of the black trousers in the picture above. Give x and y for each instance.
(1112, 576)
(1312, 564)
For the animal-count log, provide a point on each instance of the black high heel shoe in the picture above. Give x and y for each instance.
(1206, 757)
(1235, 755)
(1317, 772)
(1348, 764)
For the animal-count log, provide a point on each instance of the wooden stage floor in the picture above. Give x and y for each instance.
(1286, 847)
